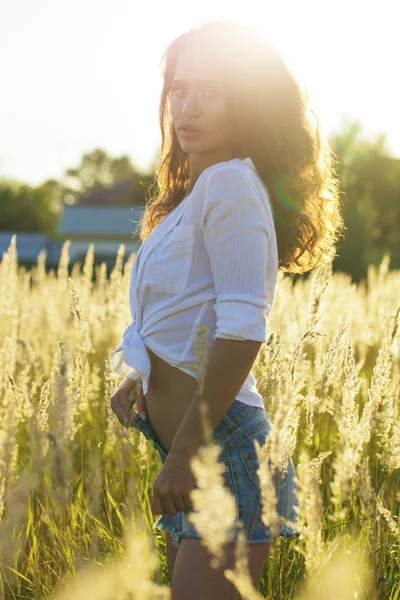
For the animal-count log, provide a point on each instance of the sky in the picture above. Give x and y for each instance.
(83, 74)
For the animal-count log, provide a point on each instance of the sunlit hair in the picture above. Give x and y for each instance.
(274, 125)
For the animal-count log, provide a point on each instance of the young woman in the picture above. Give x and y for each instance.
(245, 186)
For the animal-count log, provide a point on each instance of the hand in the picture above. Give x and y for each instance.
(172, 486)
(129, 394)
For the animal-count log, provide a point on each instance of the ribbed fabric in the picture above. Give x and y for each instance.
(212, 260)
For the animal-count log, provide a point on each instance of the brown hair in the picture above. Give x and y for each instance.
(273, 125)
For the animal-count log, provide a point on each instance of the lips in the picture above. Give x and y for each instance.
(190, 128)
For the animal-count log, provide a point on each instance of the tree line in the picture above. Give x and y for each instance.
(369, 184)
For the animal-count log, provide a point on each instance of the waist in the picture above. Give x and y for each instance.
(167, 380)
(169, 394)
(164, 374)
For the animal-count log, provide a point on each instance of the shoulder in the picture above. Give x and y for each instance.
(228, 174)
(235, 190)
(234, 181)
(224, 172)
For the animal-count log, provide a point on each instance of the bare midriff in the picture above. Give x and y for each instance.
(170, 391)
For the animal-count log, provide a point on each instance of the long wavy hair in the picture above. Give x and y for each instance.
(276, 127)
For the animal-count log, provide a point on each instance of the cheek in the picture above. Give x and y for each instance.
(175, 109)
(221, 124)
(215, 116)
(218, 114)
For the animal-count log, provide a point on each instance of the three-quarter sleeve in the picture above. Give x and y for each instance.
(236, 225)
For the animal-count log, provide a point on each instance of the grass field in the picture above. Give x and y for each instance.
(75, 486)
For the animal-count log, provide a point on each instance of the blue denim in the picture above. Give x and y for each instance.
(235, 433)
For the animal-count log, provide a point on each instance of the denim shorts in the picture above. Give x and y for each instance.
(235, 433)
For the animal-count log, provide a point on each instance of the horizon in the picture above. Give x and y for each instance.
(67, 94)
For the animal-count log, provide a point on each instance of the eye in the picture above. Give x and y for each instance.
(210, 91)
(176, 89)
(206, 91)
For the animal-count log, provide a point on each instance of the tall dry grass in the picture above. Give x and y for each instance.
(75, 486)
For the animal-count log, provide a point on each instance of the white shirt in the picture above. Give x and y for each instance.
(213, 260)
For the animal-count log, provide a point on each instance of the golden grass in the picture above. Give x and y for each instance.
(75, 486)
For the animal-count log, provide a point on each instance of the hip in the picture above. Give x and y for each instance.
(235, 433)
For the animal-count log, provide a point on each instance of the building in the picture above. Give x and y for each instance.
(107, 227)
(29, 246)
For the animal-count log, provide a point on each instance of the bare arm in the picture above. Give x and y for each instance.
(229, 364)
(236, 230)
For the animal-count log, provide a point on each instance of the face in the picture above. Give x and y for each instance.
(198, 97)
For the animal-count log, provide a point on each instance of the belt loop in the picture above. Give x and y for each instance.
(230, 423)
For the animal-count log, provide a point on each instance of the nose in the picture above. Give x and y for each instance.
(190, 104)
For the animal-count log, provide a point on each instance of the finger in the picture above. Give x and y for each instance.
(141, 399)
(156, 504)
(118, 411)
(180, 503)
(188, 503)
(130, 417)
(131, 398)
(169, 506)
(142, 409)
(127, 399)
(121, 396)
(128, 383)
(123, 414)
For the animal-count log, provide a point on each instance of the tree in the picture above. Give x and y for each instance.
(29, 209)
(369, 183)
(98, 172)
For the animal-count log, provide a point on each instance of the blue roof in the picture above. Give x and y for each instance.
(106, 220)
(106, 226)
(28, 245)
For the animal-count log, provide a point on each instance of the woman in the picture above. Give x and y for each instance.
(252, 191)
